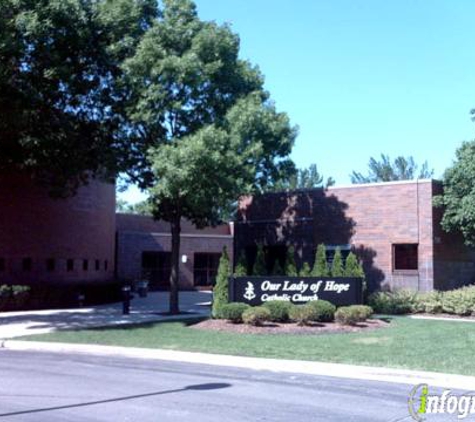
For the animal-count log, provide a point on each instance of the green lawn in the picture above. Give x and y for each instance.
(440, 346)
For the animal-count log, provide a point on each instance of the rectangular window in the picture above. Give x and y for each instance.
(70, 265)
(27, 264)
(98, 265)
(106, 265)
(405, 256)
(85, 265)
(2, 264)
(50, 265)
(205, 268)
(156, 267)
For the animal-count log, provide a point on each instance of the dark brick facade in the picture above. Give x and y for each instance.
(45, 240)
(371, 219)
(138, 234)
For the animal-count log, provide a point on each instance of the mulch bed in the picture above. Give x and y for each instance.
(288, 328)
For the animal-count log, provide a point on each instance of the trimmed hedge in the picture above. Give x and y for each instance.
(351, 315)
(279, 310)
(256, 315)
(324, 310)
(396, 302)
(233, 311)
(303, 314)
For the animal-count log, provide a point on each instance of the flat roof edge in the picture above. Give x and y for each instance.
(376, 184)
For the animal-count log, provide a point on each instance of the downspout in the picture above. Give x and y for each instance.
(418, 237)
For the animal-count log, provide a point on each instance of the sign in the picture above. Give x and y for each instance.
(341, 291)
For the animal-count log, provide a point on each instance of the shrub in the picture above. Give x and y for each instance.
(241, 266)
(352, 267)
(337, 269)
(320, 267)
(233, 311)
(324, 311)
(303, 314)
(430, 302)
(277, 270)
(259, 267)
(460, 301)
(279, 310)
(290, 265)
(256, 315)
(220, 290)
(397, 302)
(364, 311)
(305, 271)
(351, 315)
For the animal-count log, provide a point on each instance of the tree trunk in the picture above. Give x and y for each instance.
(174, 276)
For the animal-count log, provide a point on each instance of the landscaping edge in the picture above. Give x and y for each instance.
(337, 370)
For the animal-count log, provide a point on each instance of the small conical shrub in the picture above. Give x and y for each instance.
(220, 290)
(290, 265)
(352, 267)
(337, 264)
(278, 270)
(305, 271)
(320, 267)
(240, 270)
(260, 264)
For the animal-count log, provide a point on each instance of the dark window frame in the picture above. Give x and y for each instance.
(3, 265)
(50, 265)
(85, 265)
(27, 264)
(70, 265)
(205, 267)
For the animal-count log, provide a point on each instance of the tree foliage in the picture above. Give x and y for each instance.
(384, 170)
(220, 290)
(260, 267)
(353, 268)
(62, 91)
(320, 266)
(458, 198)
(304, 178)
(240, 270)
(290, 265)
(214, 130)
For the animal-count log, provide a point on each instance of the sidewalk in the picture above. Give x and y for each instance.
(399, 376)
(149, 309)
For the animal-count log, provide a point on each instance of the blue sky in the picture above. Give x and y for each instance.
(362, 77)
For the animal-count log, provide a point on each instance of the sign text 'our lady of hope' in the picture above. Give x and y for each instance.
(340, 291)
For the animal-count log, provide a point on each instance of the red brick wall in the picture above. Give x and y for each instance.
(137, 234)
(34, 225)
(371, 218)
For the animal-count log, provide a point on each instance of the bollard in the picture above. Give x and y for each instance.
(126, 296)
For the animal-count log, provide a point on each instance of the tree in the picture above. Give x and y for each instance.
(305, 271)
(220, 290)
(260, 267)
(386, 171)
(62, 92)
(139, 208)
(277, 270)
(304, 178)
(290, 265)
(458, 198)
(337, 269)
(320, 266)
(215, 132)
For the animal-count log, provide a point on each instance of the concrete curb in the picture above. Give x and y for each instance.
(436, 318)
(433, 379)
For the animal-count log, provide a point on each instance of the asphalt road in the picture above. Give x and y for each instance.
(58, 387)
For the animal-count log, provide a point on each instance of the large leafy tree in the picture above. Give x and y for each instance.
(301, 178)
(458, 198)
(215, 132)
(61, 87)
(385, 170)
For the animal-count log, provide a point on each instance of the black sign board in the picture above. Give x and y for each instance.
(341, 291)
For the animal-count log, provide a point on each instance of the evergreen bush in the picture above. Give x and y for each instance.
(337, 269)
(305, 271)
(279, 310)
(233, 311)
(259, 267)
(256, 315)
(351, 315)
(303, 314)
(324, 310)
(320, 267)
(290, 265)
(220, 290)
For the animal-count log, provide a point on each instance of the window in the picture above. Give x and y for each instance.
(156, 267)
(85, 265)
(205, 268)
(106, 265)
(98, 265)
(70, 265)
(2, 264)
(405, 257)
(50, 265)
(27, 264)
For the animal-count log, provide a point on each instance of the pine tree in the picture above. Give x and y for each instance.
(260, 264)
(320, 267)
(290, 265)
(352, 267)
(240, 270)
(220, 290)
(305, 271)
(337, 264)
